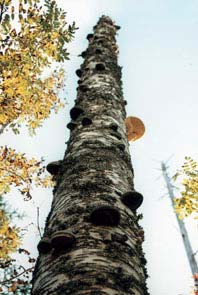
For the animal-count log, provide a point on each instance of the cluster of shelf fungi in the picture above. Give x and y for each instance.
(100, 215)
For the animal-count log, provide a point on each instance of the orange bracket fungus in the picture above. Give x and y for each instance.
(62, 240)
(105, 215)
(135, 128)
(54, 167)
(132, 199)
(75, 112)
(44, 246)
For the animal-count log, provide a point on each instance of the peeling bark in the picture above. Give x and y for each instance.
(105, 255)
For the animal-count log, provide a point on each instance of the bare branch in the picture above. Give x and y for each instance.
(14, 277)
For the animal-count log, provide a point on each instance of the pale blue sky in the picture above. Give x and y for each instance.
(159, 53)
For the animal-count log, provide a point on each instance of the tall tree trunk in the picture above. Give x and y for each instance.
(92, 240)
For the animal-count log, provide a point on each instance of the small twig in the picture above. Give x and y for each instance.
(14, 277)
(195, 253)
(12, 172)
(23, 267)
(2, 11)
(38, 226)
(3, 127)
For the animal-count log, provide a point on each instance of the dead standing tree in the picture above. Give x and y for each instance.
(92, 240)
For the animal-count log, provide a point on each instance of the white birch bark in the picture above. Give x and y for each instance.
(96, 171)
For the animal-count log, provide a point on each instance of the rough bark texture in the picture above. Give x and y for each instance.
(102, 253)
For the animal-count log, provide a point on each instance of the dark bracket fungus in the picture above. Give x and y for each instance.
(79, 73)
(117, 28)
(54, 167)
(120, 238)
(83, 88)
(90, 37)
(62, 240)
(95, 239)
(143, 260)
(86, 121)
(121, 147)
(132, 199)
(44, 246)
(117, 135)
(71, 125)
(100, 42)
(84, 54)
(98, 51)
(113, 126)
(105, 215)
(75, 112)
(100, 67)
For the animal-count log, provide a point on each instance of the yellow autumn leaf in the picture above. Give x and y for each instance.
(187, 203)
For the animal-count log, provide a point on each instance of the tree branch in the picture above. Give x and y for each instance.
(3, 127)
(38, 226)
(2, 11)
(14, 277)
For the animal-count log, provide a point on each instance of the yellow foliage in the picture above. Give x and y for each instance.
(26, 51)
(9, 237)
(16, 170)
(32, 37)
(187, 203)
(13, 287)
